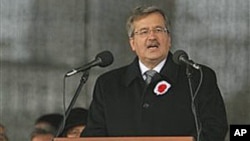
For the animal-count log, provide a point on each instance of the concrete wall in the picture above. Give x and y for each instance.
(42, 39)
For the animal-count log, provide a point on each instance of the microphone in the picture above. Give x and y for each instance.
(102, 59)
(180, 57)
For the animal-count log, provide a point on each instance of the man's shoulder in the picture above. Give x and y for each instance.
(207, 73)
(207, 69)
(117, 72)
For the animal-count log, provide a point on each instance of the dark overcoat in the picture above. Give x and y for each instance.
(123, 105)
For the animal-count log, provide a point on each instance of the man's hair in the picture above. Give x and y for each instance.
(52, 120)
(77, 116)
(141, 11)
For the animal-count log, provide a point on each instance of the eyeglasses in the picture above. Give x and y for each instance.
(146, 31)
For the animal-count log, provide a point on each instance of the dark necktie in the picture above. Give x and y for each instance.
(149, 75)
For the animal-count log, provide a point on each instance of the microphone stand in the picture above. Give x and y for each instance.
(193, 106)
(83, 80)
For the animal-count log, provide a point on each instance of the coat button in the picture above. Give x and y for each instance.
(145, 105)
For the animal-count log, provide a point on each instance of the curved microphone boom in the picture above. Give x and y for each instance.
(102, 59)
(180, 57)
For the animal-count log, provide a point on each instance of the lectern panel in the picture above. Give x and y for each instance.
(127, 139)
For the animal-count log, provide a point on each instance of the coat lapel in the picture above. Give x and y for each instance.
(132, 73)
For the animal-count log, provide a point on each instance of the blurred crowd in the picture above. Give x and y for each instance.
(46, 127)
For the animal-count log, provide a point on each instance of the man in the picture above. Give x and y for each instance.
(126, 104)
(41, 135)
(49, 122)
(75, 122)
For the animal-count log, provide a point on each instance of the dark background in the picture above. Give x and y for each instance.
(43, 39)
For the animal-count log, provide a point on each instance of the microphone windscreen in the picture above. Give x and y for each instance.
(106, 58)
(178, 54)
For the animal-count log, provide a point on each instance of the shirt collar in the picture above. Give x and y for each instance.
(169, 70)
(157, 68)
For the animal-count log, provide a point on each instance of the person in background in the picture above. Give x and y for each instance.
(75, 122)
(151, 96)
(49, 122)
(41, 135)
(3, 136)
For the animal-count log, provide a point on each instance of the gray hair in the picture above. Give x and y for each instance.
(140, 11)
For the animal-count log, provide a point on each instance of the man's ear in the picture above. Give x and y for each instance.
(170, 42)
(132, 43)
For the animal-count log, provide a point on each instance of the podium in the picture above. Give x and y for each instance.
(182, 138)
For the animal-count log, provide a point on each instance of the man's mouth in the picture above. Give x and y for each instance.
(153, 46)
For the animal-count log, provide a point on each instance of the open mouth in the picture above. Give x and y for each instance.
(152, 46)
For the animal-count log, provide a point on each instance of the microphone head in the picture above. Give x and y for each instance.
(179, 55)
(106, 58)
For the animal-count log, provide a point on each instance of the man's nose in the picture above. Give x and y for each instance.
(152, 34)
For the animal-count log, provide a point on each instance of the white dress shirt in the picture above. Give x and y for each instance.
(156, 68)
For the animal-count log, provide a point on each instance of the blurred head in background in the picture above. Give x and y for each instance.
(41, 135)
(75, 122)
(3, 136)
(49, 122)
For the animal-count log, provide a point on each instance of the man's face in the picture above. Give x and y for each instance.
(75, 132)
(149, 42)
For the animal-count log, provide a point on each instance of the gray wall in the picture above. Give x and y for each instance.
(42, 39)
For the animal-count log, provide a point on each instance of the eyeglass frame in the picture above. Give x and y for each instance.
(144, 32)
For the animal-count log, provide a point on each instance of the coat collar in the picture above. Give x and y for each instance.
(133, 72)
(169, 71)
